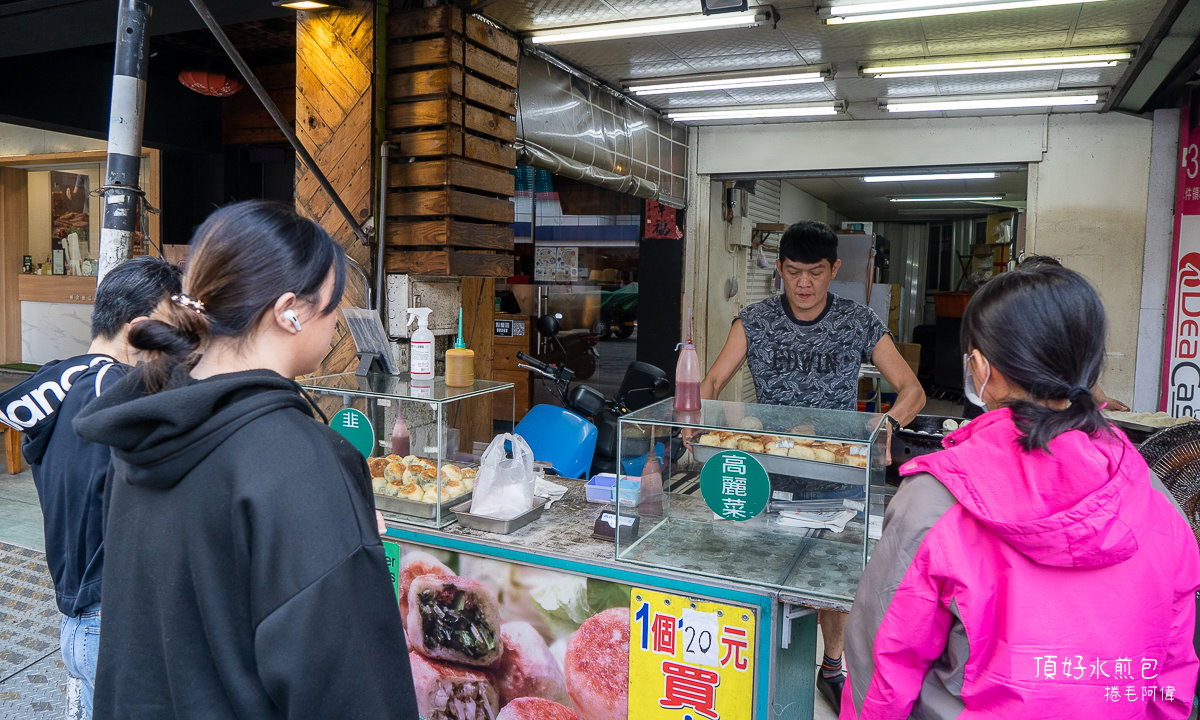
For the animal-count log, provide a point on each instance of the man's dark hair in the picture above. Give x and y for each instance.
(809, 242)
(132, 289)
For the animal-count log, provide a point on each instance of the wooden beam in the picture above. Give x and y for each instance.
(452, 171)
(475, 414)
(450, 262)
(448, 232)
(492, 38)
(14, 235)
(426, 203)
(489, 151)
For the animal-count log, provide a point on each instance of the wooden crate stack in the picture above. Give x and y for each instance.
(450, 115)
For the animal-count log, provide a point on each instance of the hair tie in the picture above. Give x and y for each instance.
(1077, 392)
(188, 302)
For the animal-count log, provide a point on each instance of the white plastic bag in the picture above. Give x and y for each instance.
(504, 488)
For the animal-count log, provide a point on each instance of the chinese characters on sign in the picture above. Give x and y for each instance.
(1132, 679)
(1181, 374)
(734, 485)
(689, 660)
(354, 426)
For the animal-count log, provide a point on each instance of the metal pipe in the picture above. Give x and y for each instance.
(284, 127)
(122, 193)
(380, 226)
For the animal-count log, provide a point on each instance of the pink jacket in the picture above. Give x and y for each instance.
(1010, 584)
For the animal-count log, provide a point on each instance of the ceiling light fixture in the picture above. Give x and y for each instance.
(957, 198)
(727, 81)
(654, 26)
(309, 4)
(930, 176)
(994, 102)
(755, 113)
(860, 12)
(996, 64)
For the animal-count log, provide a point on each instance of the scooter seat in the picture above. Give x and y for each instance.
(559, 437)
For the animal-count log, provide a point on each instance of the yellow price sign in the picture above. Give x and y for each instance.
(689, 659)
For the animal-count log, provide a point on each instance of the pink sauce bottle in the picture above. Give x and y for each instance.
(687, 375)
(400, 439)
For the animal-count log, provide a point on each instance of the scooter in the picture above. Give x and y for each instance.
(581, 436)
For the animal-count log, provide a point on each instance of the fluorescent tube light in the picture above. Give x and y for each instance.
(995, 65)
(309, 4)
(844, 13)
(725, 81)
(930, 176)
(654, 26)
(988, 103)
(957, 198)
(743, 113)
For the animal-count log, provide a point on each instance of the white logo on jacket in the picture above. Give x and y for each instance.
(35, 406)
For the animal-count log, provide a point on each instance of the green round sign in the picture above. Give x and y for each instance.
(354, 426)
(735, 485)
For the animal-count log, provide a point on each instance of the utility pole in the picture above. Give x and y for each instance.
(122, 193)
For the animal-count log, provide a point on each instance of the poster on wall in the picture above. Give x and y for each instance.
(1181, 374)
(490, 639)
(68, 208)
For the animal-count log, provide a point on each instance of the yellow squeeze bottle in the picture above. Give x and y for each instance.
(460, 361)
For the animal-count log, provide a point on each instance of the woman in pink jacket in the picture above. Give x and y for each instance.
(1034, 568)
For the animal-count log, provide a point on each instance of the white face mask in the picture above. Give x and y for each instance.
(973, 395)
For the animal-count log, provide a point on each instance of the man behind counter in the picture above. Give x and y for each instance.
(805, 348)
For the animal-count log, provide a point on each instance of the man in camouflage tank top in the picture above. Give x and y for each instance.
(805, 347)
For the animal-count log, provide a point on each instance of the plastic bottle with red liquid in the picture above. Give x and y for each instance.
(687, 375)
(400, 436)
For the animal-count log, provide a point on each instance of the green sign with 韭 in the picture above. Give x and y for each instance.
(354, 426)
(735, 485)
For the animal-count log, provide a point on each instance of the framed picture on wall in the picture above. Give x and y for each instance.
(68, 207)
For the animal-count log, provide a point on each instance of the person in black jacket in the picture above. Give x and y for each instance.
(246, 576)
(69, 471)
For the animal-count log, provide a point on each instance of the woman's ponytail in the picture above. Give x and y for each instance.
(172, 336)
(1039, 424)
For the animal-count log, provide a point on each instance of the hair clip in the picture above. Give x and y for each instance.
(188, 302)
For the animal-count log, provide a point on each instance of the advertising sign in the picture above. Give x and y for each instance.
(354, 426)
(735, 485)
(689, 660)
(1181, 375)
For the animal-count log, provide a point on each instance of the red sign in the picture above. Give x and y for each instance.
(1181, 372)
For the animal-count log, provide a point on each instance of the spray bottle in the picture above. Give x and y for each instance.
(687, 374)
(420, 363)
(460, 362)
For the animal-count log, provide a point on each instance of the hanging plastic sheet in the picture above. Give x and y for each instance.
(571, 126)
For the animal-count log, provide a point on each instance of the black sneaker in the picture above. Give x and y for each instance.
(831, 690)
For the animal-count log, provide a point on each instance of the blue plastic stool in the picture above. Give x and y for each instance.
(559, 437)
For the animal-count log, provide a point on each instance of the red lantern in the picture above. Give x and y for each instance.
(210, 83)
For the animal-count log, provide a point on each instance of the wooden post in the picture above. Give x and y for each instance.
(475, 421)
(14, 230)
(335, 61)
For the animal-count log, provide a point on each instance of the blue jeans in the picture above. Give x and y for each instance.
(79, 639)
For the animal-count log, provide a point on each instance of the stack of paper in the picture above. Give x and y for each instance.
(832, 520)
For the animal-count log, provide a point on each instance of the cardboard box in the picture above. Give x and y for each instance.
(911, 352)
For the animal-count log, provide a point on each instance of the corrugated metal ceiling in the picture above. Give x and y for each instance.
(801, 39)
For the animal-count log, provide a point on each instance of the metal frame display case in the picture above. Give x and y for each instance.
(830, 460)
(437, 472)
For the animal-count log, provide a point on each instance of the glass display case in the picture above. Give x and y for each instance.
(419, 437)
(783, 497)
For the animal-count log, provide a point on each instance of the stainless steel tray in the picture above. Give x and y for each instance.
(428, 511)
(795, 467)
(502, 527)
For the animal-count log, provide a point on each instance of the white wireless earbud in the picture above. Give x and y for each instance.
(290, 316)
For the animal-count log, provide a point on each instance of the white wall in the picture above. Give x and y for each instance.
(1088, 189)
(1090, 211)
(21, 140)
(796, 205)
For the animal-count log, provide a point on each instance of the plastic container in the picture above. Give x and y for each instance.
(460, 361)
(420, 362)
(600, 490)
(688, 376)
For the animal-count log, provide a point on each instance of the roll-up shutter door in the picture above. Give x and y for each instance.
(763, 207)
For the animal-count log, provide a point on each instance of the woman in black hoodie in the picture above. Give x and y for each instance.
(245, 577)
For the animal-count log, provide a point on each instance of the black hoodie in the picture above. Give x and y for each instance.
(245, 575)
(67, 470)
